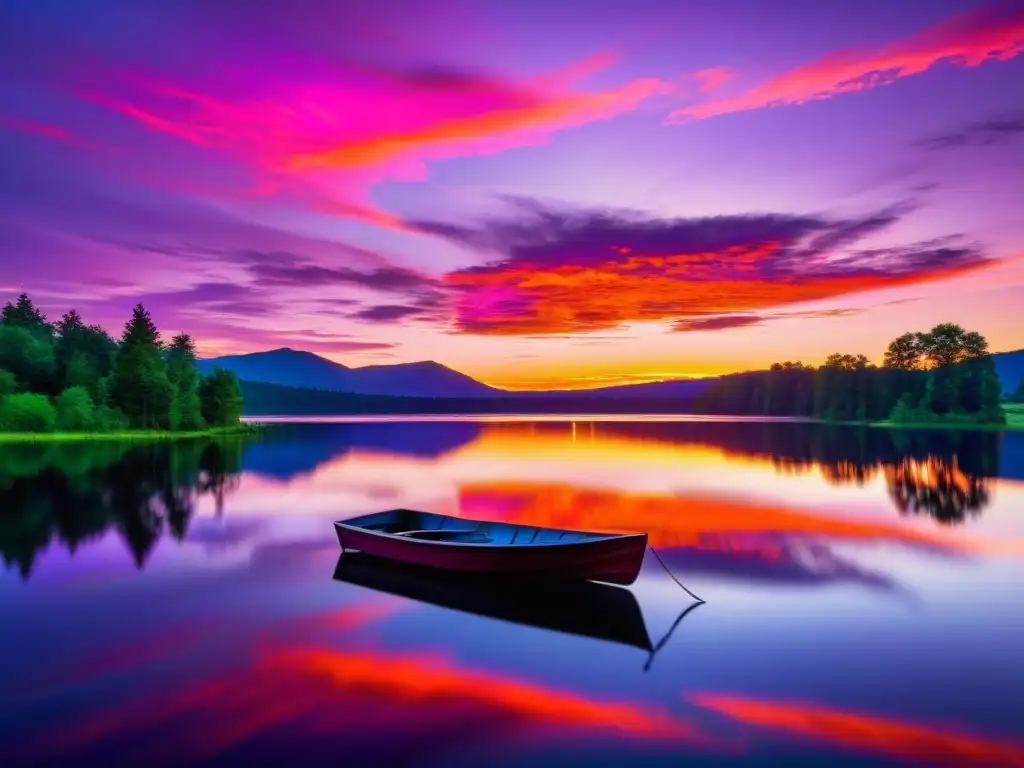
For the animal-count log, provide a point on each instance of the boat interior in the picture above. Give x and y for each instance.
(427, 526)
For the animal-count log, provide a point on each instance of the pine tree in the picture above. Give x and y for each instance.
(24, 314)
(139, 386)
(182, 372)
(221, 398)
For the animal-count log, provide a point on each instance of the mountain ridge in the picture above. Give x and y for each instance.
(289, 367)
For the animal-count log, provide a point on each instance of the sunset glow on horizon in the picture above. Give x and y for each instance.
(541, 198)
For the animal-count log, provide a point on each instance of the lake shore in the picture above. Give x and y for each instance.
(127, 435)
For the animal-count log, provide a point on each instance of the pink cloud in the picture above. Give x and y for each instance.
(324, 135)
(968, 40)
(710, 79)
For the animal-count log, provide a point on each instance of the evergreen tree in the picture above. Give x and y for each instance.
(182, 372)
(221, 398)
(82, 354)
(24, 314)
(942, 396)
(28, 355)
(139, 387)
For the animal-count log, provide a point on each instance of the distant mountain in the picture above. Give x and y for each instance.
(263, 399)
(292, 368)
(287, 367)
(422, 379)
(1010, 367)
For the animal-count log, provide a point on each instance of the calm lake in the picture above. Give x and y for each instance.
(167, 604)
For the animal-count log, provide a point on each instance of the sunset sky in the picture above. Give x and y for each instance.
(540, 194)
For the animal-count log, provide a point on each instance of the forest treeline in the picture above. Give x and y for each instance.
(69, 376)
(944, 375)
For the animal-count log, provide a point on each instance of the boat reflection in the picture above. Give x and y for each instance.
(581, 608)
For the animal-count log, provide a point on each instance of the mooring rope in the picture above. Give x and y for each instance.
(673, 576)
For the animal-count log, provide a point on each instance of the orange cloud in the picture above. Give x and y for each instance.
(480, 133)
(944, 745)
(968, 40)
(524, 298)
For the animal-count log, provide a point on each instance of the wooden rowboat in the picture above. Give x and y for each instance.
(454, 543)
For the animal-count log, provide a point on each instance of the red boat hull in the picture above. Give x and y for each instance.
(615, 559)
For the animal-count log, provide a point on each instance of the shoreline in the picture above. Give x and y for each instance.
(127, 435)
(1015, 419)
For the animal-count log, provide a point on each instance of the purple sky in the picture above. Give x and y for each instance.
(539, 194)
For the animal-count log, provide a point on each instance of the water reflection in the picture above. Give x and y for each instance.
(937, 488)
(75, 492)
(586, 609)
(220, 633)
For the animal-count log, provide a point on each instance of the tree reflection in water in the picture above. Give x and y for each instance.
(73, 492)
(936, 487)
(77, 492)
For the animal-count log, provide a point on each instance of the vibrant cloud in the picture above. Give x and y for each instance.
(990, 33)
(933, 744)
(710, 79)
(258, 179)
(564, 271)
(323, 132)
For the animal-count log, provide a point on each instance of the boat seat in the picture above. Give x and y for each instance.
(464, 535)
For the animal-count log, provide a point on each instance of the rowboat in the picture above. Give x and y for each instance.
(573, 607)
(485, 547)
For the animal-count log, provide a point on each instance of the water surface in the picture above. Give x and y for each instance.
(168, 604)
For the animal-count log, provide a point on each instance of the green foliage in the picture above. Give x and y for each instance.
(139, 386)
(221, 398)
(111, 420)
(27, 412)
(182, 372)
(904, 352)
(83, 354)
(949, 344)
(75, 410)
(1018, 396)
(28, 355)
(100, 384)
(917, 384)
(23, 314)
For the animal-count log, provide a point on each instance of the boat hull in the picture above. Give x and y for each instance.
(615, 559)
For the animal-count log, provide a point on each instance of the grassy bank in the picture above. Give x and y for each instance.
(1014, 420)
(127, 435)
